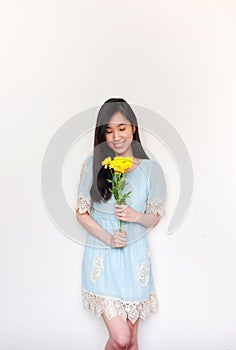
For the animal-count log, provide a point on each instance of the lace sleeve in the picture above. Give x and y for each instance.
(156, 207)
(157, 190)
(83, 203)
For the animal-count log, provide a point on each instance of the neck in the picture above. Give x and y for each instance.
(128, 154)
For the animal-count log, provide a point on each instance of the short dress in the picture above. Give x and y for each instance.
(119, 281)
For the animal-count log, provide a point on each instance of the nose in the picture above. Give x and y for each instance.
(116, 135)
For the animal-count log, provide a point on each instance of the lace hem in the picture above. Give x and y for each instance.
(82, 204)
(113, 306)
(156, 207)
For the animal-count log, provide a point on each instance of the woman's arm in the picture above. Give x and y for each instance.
(148, 220)
(117, 240)
(125, 213)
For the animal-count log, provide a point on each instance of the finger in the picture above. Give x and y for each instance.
(119, 210)
(121, 238)
(120, 205)
(117, 233)
(123, 234)
(120, 245)
(120, 216)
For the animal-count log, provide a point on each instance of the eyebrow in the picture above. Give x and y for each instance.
(118, 125)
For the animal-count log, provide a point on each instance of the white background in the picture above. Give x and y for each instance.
(175, 57)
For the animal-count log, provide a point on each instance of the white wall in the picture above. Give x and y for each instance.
(175, 57)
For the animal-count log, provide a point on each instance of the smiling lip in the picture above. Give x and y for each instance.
(118, 145)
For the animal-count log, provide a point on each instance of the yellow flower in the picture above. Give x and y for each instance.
(119, 164)
(106, 162)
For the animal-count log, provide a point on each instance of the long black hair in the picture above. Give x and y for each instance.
(100, 187)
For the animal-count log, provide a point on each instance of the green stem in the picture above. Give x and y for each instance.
(121, 225)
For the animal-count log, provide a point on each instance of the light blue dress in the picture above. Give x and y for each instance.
(119, 280)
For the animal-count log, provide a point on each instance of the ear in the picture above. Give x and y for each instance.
(133, 129)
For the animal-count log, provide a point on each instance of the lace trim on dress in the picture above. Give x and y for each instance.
(83, 204)
(156, 206)
(113, 306)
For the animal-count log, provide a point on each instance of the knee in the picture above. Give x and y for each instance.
(122, 339)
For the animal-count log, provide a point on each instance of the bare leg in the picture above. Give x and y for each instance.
(119, 333)
(133, 345)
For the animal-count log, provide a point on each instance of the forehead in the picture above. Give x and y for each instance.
(117, 119)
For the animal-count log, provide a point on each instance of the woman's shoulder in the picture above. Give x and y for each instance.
(89, 159)
(87, 164)
(149, 162)
(151, 165)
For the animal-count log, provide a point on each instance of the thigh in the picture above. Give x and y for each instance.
(116, 326)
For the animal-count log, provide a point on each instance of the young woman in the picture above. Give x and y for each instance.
(117, 278)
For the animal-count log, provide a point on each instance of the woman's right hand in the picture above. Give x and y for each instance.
(118, 239)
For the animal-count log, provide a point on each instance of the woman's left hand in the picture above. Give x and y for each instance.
(125, 213)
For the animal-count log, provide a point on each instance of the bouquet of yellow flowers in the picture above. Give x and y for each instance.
(119, 166)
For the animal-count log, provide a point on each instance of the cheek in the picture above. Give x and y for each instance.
(108, 137)
(129, 135)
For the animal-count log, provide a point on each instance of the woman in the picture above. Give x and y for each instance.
(117, 278)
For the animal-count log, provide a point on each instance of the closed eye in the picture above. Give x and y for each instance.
(109, 132)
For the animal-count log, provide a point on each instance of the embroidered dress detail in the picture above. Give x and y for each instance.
(143, 274)
(113, 306)
(156, 206)
(98, 266)
(82, 204)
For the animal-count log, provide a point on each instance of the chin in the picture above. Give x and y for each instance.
(120, 151)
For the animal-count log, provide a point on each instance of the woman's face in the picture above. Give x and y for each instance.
(119, 135)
